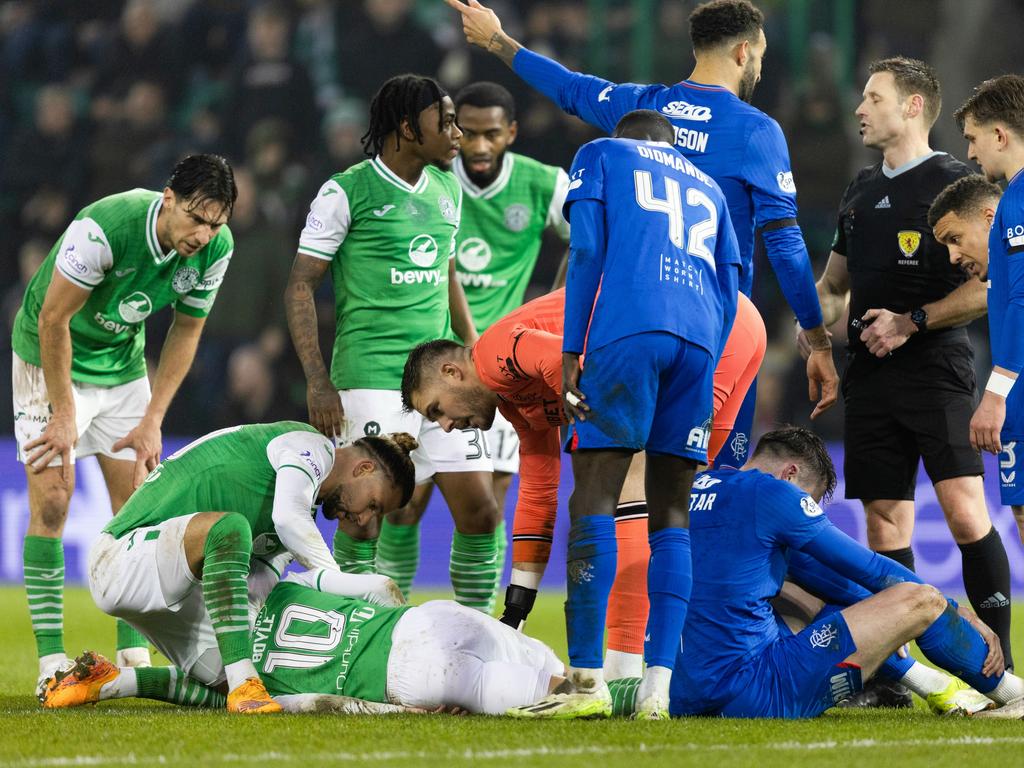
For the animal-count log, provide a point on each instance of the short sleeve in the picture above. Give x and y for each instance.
(555, 220)
(767, 170)
(586, 177)
(327, 223)
(199, 300)
(85, 255)
(310, 452)
(787, 515)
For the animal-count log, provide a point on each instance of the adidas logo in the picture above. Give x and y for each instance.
(998, 600)
(883, 203)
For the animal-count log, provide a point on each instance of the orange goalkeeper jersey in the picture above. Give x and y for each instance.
(519, 358)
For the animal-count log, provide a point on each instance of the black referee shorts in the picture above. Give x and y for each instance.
(903, 409)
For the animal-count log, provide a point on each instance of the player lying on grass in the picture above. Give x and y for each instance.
(318, 649)
(738, 661)
(213, 526)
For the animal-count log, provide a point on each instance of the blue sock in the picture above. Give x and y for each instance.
(590, 571)
(955, 646)
(894, 668)
(669, 581)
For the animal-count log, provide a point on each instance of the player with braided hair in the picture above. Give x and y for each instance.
(386, 229)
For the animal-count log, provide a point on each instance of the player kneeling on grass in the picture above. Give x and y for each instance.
(319, 649)
(739, 660)
(207, 536)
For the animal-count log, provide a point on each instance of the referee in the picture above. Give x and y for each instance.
(910, 387)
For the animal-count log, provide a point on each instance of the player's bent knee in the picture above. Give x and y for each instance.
(921, 601)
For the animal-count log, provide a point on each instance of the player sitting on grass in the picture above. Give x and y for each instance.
(210, 530)
(739, 662)
(318, 649)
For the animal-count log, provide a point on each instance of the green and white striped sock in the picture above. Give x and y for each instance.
(398, 553)
(170, 684)
(501, 541)
(44, 586)
(623, 693)
(225, 592)
(354, 555)
(473, 567)
(129, 637)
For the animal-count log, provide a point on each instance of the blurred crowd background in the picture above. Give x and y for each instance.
(99, 96)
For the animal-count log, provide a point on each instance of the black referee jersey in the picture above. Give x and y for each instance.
(893, 260)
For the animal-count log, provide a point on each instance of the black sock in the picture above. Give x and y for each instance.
(987, 581)
(904, 557)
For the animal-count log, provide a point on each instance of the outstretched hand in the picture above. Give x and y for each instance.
(482, 28)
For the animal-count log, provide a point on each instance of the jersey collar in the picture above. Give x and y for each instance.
(892, 173)
(152, 241)
(492, 189)
(703, 86)
(390, 176)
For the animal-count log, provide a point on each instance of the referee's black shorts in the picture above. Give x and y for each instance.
(903, 409)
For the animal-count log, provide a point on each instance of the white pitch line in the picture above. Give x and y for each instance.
(505, 754)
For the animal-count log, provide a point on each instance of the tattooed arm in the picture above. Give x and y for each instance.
(325, 411)
(483, 28)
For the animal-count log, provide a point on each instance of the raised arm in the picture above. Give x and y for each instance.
(593, 99)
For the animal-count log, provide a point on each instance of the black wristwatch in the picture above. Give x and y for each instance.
(919, 317)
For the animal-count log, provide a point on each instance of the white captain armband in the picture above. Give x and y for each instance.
(1000, 384)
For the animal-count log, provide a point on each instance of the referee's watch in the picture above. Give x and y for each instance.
(919, 317)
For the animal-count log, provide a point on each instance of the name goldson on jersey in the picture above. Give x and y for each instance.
(696, 141)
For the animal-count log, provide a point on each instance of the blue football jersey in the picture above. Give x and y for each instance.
(1006, 298)
(741, 525)
(666, 230)
(735, 143)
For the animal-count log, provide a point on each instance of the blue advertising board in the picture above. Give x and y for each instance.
(938, 558)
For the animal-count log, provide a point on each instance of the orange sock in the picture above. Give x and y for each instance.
(628, 604)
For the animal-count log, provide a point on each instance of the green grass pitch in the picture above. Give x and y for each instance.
(144, 733)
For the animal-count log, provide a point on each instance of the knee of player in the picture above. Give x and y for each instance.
(924, 600)
(50, 506)
(231, 531)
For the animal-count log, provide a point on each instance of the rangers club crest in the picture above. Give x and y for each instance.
(517, 217)
(909, 241)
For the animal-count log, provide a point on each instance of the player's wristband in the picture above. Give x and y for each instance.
(1000, 384)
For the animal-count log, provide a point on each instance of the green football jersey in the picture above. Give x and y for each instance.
(230, 470)
(111, 248)
(389, 245)
(307, 641)
(500, 233)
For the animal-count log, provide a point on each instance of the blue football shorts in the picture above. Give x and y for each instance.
(647, 392)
